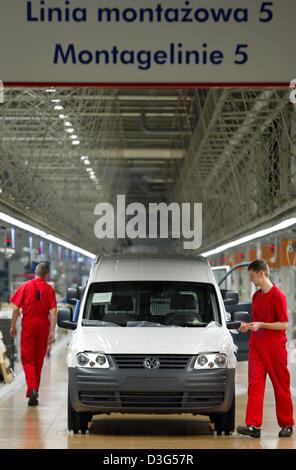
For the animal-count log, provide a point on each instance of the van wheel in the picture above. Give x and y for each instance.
(225, 422)
(77, 422)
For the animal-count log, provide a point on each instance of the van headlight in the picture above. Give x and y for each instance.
(82, 359)
(94, 360)
(211, 361)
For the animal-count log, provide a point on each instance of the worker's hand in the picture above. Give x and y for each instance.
(51, 338)
(244, 327)
(255, 326)
(13, 331)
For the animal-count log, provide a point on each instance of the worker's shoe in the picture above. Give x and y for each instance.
(33, 398)
(249, 431)
(286, 431)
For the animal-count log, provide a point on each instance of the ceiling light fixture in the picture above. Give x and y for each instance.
(259, 234)
(48, 236)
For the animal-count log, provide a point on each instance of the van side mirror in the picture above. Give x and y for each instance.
(74, 294)
(233, 325)
(65, 319)
(230, 297)
(237, 319)
(241, 316)
(81, 290)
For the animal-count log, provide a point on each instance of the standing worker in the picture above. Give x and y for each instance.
(267, 353)
(37, 300)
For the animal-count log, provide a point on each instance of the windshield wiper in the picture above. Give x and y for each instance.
(97, 323)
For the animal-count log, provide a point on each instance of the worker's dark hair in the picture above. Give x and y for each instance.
(259, 265)
(42, 269)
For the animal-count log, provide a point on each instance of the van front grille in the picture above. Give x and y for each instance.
(103, 399)
(136, 361)
(151, 399)
(156, 400)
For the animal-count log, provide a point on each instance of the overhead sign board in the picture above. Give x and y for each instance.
(147, 41)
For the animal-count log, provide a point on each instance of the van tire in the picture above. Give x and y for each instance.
(225, 422)
(77, 422)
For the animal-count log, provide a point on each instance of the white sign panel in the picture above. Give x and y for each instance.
(147, 41)
(102, 298)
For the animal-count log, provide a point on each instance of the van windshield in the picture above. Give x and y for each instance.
(144, 304)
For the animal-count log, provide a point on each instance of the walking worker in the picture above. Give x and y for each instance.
(37, 300)
(267, 353)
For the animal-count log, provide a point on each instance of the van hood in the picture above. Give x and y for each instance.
(153, 340)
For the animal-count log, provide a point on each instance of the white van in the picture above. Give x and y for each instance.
(150, 337)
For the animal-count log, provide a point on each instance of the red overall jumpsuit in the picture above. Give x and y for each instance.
(268, 355)
(36, 298)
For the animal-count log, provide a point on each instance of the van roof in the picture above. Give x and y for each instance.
(125, 256)
(151, 267)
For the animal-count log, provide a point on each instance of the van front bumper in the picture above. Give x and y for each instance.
(151, 391)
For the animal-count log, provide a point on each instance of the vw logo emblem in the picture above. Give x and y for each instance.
(151, 363)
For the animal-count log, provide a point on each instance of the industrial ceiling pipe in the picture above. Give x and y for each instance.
(150, 131)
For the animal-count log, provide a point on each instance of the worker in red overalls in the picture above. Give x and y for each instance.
(267, 353)
(37, 300)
